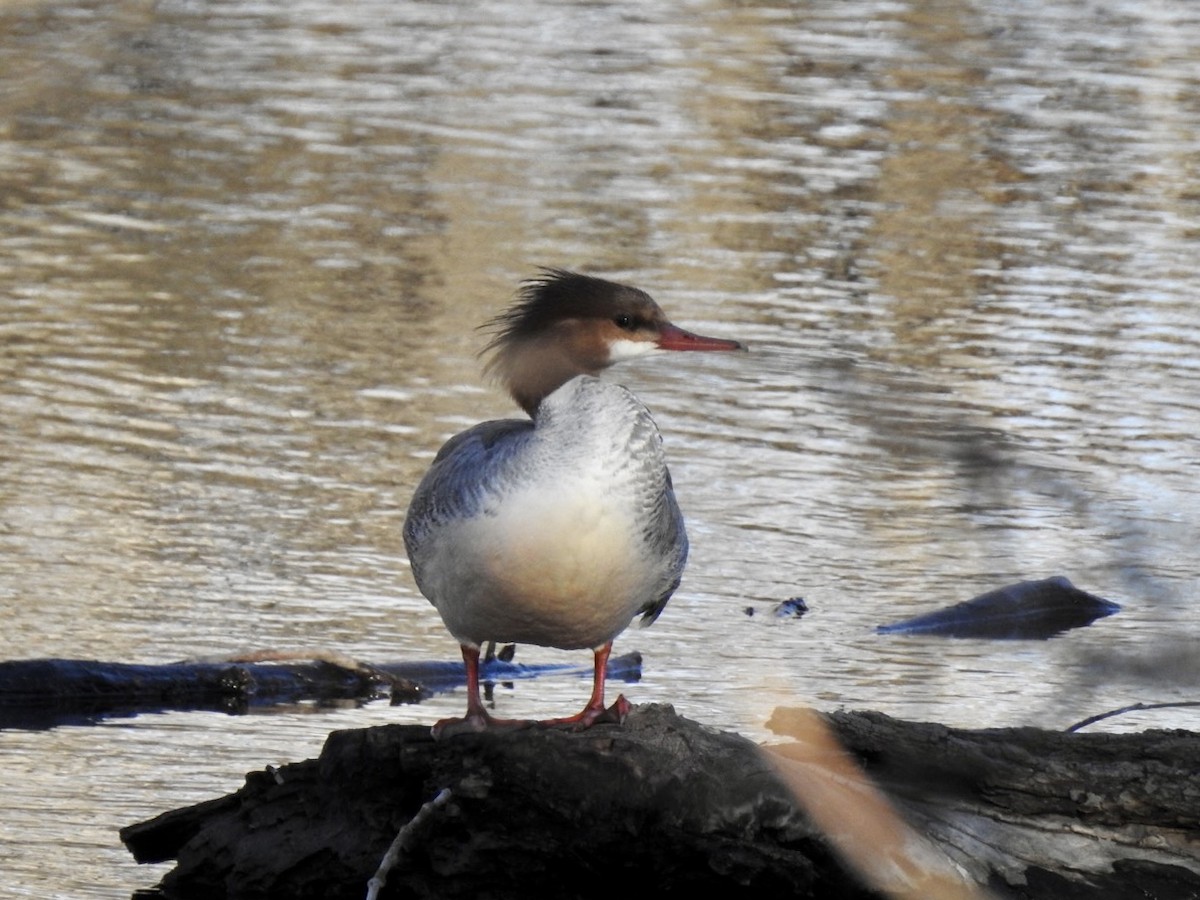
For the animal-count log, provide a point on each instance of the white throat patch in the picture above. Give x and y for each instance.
(623, 349)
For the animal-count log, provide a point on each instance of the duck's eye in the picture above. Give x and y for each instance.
(624, 322)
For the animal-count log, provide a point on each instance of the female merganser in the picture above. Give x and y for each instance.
(558, 529)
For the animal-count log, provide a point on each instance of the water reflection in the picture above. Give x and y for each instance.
(246, 247)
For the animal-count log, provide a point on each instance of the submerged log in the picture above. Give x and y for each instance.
(43, 693)
(665, 806)
(1027, 610)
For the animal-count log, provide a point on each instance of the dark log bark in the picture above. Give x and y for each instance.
(663, 805)
(1042, 813)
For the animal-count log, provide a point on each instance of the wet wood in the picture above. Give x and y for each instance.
(1028, 610)
(42, 693)
(663, 805)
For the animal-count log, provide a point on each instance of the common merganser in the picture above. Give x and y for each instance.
(558, 529)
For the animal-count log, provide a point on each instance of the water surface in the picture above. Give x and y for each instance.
(245, 248)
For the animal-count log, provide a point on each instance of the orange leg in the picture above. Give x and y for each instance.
(477, 718)
(594, 711)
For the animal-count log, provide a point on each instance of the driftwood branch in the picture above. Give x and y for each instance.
(664, 805)
(1132, 707)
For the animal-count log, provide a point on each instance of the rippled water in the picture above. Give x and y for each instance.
(245, 247)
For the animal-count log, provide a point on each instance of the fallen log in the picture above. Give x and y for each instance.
(44, 693)
(663, 805)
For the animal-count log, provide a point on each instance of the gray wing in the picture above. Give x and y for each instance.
(451, 489)
(671, 537)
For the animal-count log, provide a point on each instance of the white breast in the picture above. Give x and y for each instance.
(571, 538)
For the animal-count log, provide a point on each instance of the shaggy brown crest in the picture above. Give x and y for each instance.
(564, 324)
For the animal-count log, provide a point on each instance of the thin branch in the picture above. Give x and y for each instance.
(1134, 707)
(402, 837)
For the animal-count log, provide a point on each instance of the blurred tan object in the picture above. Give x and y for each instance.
(859, 821)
